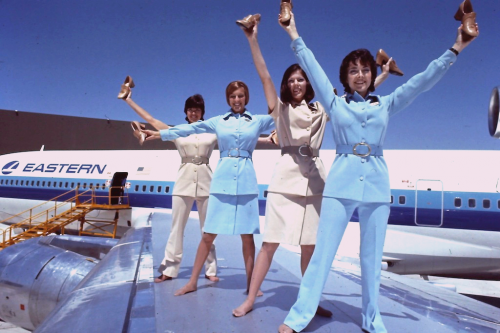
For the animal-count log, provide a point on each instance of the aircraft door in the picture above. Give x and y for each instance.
(429, 202)
(116, 187)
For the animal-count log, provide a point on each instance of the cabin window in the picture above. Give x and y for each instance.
(498, 204)
(486, 203)
(265, 194)
(12, 182)
(78, 185)
(1, 182)
(402, 199)
(143, 188)
(37, 183)
(151, 188)
(43, 183)
(472, 203)
(84, 185)
(32, 183)
(458, 202)
(167, 189)
(48, 184)
(159, 189)
(22, 182)
(137, 188)
(17, 181)
(66, 184)
(392, 199)
(72, 185)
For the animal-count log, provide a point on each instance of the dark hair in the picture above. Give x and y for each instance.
(195, 101)
(231, 87)
(286, 94)
(365, 58)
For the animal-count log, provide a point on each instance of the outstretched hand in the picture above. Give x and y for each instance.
(151, 135)
(291, 28)
(249, 33)
(460, 42)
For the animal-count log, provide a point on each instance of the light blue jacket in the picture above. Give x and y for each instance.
(233, 176)
(355, 119)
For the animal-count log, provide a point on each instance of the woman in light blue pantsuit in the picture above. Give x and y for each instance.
(358, 177)
(233, 206)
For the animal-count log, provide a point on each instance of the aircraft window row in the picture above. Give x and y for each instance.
(471, 203)
(151, 188)
(55, 184)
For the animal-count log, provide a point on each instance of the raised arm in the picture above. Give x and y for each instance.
(145, 115)
(384, 75)
(260, 65)
(424, 81)
(319, 81)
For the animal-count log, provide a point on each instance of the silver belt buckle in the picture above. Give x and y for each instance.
(308, 151)
(234, 152)
(362, 144)
(196, 160)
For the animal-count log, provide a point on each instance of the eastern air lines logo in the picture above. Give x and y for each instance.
(9, 167)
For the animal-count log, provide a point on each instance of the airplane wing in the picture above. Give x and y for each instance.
(119, 295)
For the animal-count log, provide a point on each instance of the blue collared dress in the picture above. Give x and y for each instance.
(233, 206)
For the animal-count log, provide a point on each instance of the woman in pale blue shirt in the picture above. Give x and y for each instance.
(358, 177)
(233, 207)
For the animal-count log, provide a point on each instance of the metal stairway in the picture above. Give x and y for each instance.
(38, 221)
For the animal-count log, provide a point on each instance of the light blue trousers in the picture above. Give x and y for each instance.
(335, 214)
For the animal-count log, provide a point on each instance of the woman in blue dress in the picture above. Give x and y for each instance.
(233, 207)
(358, 177)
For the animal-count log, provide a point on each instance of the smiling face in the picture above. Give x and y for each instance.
(237, 100)
(297, 85)
(193, 114)
(359, 77)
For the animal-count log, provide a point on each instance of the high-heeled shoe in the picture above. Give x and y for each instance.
(466, 14)
(382, 58)
(125, 88)
(137, 127)
(286, 11)
(249, 21)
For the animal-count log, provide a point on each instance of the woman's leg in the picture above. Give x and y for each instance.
(306, 252)
(335, 214)
(211, 263)
(201, 256)
(373, 225)
(264, 259)
(181, 206)
(248, 249)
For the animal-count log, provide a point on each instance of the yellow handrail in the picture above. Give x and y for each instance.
(74, 202)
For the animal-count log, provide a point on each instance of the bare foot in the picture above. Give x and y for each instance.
(243, 309)
(285, 329)
(162, 278)
(259, 293)
(324, 312)
(212, 278)
(188, 288)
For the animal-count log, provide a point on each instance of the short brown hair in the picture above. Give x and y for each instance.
(231, 87)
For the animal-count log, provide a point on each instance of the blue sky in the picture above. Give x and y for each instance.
(70, 57)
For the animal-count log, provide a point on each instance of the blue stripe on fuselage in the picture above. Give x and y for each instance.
(154, 194)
